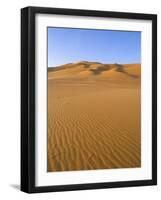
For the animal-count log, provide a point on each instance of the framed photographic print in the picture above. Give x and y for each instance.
(88, 99)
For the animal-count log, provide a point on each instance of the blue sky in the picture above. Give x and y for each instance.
(67, 45)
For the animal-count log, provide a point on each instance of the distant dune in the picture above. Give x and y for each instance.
(86, 69)
(94, 116)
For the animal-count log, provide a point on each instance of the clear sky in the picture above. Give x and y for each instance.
(67, 45)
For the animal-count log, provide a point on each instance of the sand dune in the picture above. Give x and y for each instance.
(93, 116)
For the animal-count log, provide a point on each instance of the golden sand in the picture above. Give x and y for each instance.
(94, 116)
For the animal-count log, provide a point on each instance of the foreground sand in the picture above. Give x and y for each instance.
(93, 116)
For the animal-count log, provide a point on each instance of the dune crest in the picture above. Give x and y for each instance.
(84, 69)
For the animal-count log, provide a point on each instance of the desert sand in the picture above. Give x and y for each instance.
(94, 116)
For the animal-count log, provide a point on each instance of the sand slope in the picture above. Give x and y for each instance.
(93, 116)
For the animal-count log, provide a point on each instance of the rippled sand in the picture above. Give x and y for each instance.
(93, 117)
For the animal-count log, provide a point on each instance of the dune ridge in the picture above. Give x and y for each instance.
(94, 116)
(85, 69)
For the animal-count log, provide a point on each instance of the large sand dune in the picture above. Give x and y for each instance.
(93, 116)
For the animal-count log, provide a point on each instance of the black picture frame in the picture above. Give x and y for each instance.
(28, 99)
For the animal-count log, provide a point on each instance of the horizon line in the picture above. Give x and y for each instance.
(94, 62)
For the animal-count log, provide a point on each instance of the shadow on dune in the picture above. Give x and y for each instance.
(86, 65)
(120, 68)
(100, 69)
